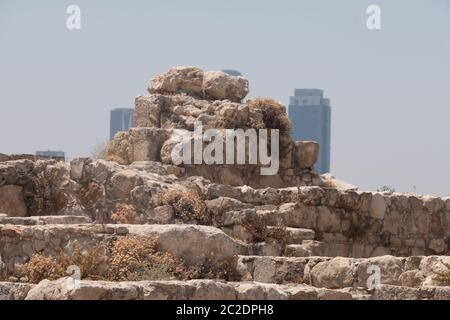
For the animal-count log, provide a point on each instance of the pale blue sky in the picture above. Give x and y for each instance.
(389, 89)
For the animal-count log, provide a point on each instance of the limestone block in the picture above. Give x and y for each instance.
(306, 154)
(148, 110)
(378, 207)
(147, 143)
(334, 274)
(222, 86)
(12, 201)
(178, 79)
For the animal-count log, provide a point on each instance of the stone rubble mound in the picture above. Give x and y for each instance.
(297, 236)
(184, 95)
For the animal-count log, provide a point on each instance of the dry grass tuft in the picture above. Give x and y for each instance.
(130, 258)
(90, 262)
(120, 149)
(136, 258)
(40, 267)
(122, 213)
(274, 113)
(187, 206)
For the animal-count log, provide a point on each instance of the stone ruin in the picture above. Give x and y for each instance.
(295, 235)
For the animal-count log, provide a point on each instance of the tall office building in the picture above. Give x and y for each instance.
(122, 119)
(310, 114)
(232, 72)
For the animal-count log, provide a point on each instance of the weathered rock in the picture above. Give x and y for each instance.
(432, 267)
(221, 86)
(210, 242)
(12, 201)
(334, 274)
(14, 291)
(329, 181)
(168, 149)
(148, 110)
(389, 292)
(306, 153)
(178, 79)
(163, 214)
(122, 183)
(147, 143)
(390, 270)
(378, 206)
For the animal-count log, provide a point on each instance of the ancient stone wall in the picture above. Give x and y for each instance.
(295, 235)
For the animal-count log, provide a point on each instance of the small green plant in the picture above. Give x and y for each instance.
(122, 213)
(386, 189)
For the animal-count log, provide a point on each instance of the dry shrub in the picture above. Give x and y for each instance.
(40, 267)
(258, 228)
(135, 258)
(187, 206)
(122, 213)
(131, 258)
(91, 262)
(274, 113)
(120, 149)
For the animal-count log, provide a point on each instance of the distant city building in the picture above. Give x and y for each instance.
(310, 114)
(121, 120)
(52, 154)
(232, 72)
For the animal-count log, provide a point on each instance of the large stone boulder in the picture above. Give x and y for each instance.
(195, 244)
(122, 183)
(333, 274)
(391, 269)
(221, 86)
(179, 79)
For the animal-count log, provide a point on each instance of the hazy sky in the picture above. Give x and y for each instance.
(389, 89)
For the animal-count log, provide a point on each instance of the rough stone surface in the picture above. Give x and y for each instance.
(307, 153)
(221, 86)
(12, 202)
(336, 273)
(293, 235)
(178, 79)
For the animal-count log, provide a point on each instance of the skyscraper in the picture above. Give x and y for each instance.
(121, 120)
(310, 114)
(232, 72)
